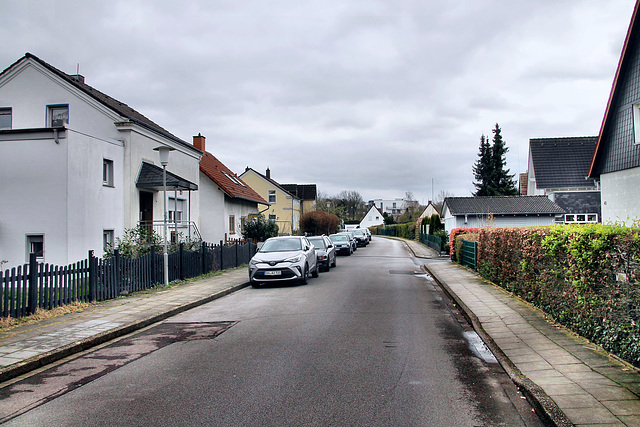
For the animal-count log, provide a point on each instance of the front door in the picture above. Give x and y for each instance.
(146, 210)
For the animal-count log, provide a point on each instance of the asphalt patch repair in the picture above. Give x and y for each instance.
(25, 394)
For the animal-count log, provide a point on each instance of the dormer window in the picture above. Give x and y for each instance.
(57, 115)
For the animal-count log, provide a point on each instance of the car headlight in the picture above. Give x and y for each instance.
(254, 261)
(296, 258)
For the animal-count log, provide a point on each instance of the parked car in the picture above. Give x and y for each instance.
(342, 243)
(289, 258)
(368, 233)
(354, 244)
(325, 251)
(361, 237)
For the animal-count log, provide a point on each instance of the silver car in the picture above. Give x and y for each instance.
(290, 258)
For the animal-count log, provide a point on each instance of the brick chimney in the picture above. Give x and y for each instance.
(198, 142)
(268, 173)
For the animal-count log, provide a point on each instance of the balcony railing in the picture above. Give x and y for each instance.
(177, 231)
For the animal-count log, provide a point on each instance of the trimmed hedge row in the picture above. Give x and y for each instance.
(406, 230)
(586, 277)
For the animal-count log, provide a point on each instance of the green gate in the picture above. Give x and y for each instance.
(470, 254)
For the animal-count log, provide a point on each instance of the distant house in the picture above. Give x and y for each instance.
(285, 208)
(226, 201)
(616, 159)
(307, 193)
(394, 207)
(558, 168)
(372, 218)
(78, 167)
(503, 211)
(429, 211)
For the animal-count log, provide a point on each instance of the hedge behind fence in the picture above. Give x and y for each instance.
(585, 277)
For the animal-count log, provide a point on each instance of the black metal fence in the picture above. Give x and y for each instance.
(434, 242)
(36, 285)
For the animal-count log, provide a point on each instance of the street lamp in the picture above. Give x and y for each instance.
(164, 161)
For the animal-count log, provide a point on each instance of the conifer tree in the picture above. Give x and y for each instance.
(482, 168)
(492, 177)
(501, 182)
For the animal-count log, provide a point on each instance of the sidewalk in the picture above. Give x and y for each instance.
(28, 347)
(572, 381)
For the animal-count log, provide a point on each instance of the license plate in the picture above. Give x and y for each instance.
(272, 273)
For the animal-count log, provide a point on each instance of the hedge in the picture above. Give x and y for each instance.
(586, 277)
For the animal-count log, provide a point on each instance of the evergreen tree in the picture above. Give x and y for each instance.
(482, 168)
(492, 177)
(501, 183)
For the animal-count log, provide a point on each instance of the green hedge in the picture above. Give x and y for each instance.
(407, 230)
(585, 277)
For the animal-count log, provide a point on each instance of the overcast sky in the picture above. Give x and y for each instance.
(380, 97)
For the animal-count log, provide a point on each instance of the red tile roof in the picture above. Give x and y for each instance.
(228, 182)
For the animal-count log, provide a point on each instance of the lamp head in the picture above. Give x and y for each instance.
(163, 150)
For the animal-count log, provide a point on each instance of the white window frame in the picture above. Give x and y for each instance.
(107, 172)
(179, 210)
(636, 123)
(30, 240)
(54, 111)
(272, 196)
(6, 111)
(107, 238)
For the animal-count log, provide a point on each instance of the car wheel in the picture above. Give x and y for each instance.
(305, 275)
(316, 271)
(335, 260)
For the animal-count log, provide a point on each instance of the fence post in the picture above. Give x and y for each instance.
(181, 261)
(154, 266)
(236, 263)
(117, 273)
(33, 284)
(203, 258)
(221, 256)
(93, 277)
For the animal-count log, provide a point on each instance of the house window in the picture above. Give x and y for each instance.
(107, 239)
(5, 118)
(107, 172)
(232, 224)
(58, 115)
(175, 208)
(272, 196)
(35, 245)
(272, 217)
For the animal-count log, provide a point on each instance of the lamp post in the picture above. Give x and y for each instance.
(164, 161)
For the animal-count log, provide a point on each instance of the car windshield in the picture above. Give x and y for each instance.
(281, 245)
(340, 238)
(318, 243)
(358, 232)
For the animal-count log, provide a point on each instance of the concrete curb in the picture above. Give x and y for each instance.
(28, 365)
(543, 404)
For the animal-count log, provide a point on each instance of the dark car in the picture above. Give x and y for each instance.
(342, 243)
(325, 251)
(352, 237)
(361, 237)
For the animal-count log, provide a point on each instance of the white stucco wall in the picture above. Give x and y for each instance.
(619, 192)
(473, 221)
(212, 210)
(57, 189)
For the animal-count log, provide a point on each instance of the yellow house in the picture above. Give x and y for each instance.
(285, 209)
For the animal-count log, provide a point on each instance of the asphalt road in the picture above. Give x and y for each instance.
(368, 343)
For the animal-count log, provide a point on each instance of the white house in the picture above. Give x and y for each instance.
(395, 207)
(78, 167)
(616, 159)
(372, 218)
(226, 201)
(498, 211)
